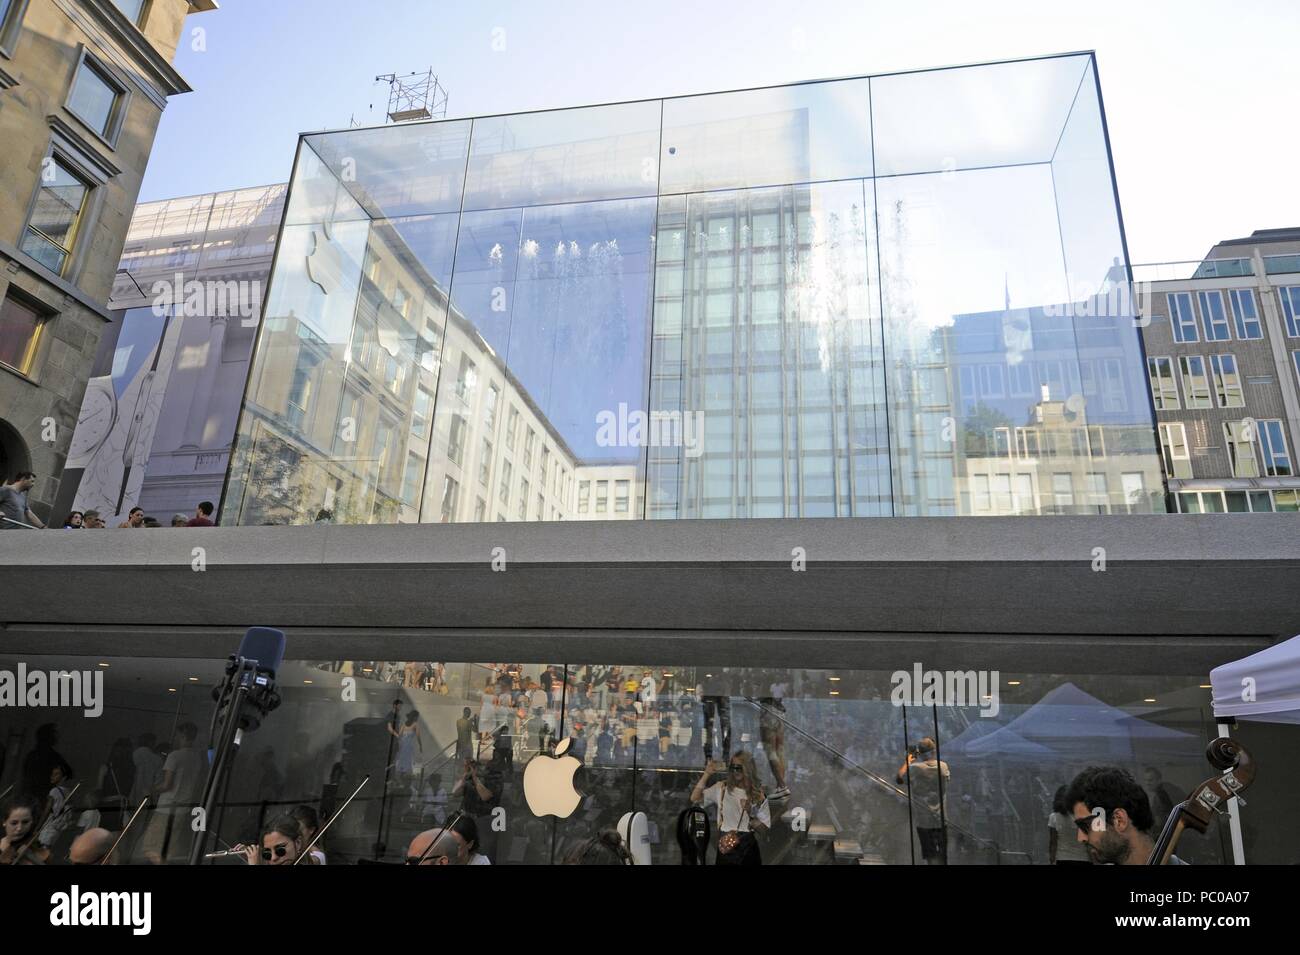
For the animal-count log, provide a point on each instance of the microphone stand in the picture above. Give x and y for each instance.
(239, 675)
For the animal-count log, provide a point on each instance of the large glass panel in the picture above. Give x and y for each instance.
(953, 336)
(566, 155)
(792, 134)
(824, 757)
(767, 356)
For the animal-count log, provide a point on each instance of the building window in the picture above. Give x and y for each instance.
(1272, 446)
(52, 230)
(1241, 449)
(490, 407)
(1290, 296)
(541, 507)
(456, 440)
(1295, 360)
(1195, 383)
(1227, 382)
(11, 20)
(97, 98)
(1181, 317)
(466, 379)
(584, 491)
(484, 462)
(1134, 490)
(1098, 493)
(480, 511)
(523, 499)
(1173, 449)
(20, 334)
(512, 424)
(411, 479)
(622, 494)
(602, 494)
(1213, 316)
(1244, 314)
(529, 441)
(1164, 388)
(133, 10)
(299, 400)
(450, 495)
(1062, 492)
(420, 413)
(503, 490)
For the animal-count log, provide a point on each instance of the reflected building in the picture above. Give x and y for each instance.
(769, 303)
(156, 424)
(1222, 337)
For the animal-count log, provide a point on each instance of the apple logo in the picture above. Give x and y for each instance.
(324, 263)
(548, 782)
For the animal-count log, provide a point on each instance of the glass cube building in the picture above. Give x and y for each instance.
(886, 295)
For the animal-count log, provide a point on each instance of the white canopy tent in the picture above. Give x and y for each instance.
(1264, 686)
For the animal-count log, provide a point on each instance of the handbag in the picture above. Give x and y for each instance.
(728, 841)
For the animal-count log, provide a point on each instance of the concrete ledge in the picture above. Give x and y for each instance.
(597, 587)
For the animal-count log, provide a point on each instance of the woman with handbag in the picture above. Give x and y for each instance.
(742, 809)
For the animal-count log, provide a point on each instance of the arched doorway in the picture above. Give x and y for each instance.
(13, 452)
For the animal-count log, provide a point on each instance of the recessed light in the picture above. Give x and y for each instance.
(1149, 699)
(835, 679)
(306, 681)
(1207, 686)
(171, 689)
(194, 679)
(104, 664)
(835, 692)
(1013, 682)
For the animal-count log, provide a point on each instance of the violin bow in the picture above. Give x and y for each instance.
(125, 829)
(306, 853)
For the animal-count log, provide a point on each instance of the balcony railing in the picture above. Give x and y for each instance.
(1192, 269)
(1281, 264)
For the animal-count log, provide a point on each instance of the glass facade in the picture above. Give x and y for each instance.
(835, 739)
(880, 296)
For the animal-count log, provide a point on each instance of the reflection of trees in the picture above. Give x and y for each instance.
(276, 491)
(978, 429)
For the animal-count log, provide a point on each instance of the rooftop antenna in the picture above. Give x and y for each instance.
(414, 96)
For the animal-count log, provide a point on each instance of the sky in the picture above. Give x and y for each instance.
(1200, 96)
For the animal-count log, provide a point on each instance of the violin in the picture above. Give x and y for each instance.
(26, 852)
(1196, 812)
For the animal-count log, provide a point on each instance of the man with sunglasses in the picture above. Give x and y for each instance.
(437, 847)
(1113, 815)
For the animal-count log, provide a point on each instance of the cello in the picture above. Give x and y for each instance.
(1211, 796)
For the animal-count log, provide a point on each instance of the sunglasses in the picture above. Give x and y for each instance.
(1085, 824)
(737, 767)
(280, 852)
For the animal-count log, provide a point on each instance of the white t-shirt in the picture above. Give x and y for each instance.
(648, 689)
(731, 808)
(1068, 846)
(185, 766)
(479, 859)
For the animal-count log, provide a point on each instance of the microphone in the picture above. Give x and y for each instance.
(253, 669)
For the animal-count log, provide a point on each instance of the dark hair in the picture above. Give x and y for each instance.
(206, 507)
(1111, 788)
(23, 475)
(20, 801)
(307, 817)
(67, 521)
(151, 522)
(467, 711)
(286, 826)
(1058, 801)
(133, 510)
(188, 730)
(465, 827)
(605, 848)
